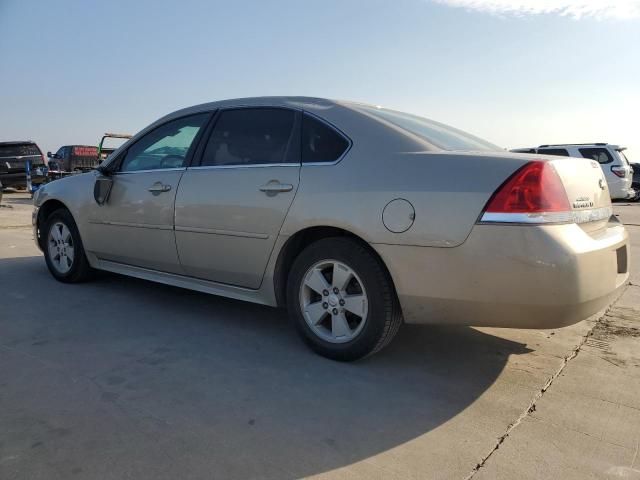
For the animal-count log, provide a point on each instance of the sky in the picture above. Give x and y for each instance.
(518, 73)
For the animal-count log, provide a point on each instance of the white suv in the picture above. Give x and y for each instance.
(615, 165)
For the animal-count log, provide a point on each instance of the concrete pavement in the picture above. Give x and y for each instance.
(120, 378)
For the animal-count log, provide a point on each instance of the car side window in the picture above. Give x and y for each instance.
(320, 142)
(252, 136)
(164, 147)
(560, 152)
(600, 155)
(60, 153)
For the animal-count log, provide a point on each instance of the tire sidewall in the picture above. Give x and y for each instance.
(372, 276)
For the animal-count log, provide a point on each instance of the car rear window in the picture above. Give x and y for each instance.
(18, 150)
(623, 157)
(559, 152)
(601, 155)
(320, 142)
(436, 133)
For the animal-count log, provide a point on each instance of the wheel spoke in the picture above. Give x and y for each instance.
(70, 255)
(55, 233)
(314, 313)
(356, 304)
(339, 326)
(316, 281)
(341, 276)
(65, 234)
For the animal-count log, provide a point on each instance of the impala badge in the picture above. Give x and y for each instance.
(602, 184)
(582, 202)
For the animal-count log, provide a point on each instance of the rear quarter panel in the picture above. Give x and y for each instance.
(447, 190)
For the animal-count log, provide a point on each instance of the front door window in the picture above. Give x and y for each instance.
(165, 147)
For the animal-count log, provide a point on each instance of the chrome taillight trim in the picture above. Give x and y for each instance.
(574, 216)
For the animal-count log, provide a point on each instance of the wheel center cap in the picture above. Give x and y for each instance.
(333, 300)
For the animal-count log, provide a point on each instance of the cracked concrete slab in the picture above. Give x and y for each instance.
(587, 424)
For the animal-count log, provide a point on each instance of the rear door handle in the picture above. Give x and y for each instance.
(159, 188)
(272, 188)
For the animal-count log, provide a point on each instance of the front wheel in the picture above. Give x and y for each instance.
(342, 300)
(63, 250)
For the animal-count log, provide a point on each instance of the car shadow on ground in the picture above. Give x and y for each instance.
(147, 380)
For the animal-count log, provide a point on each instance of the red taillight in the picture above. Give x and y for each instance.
(619, 171)
(535, 188)
(534, 194)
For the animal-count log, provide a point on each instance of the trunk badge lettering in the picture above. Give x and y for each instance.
(582, 202)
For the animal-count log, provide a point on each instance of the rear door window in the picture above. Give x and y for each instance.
(252, 136)
(560, 152)
(601, 155)
(320, 142)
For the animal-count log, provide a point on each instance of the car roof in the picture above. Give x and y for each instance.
(17, 142)
(300, 102)
(594, 144)
(560, 145)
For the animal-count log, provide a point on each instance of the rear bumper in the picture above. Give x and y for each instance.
(621, 188)
(511, 276)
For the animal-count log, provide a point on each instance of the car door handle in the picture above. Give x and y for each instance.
(159, 188)
(276, 187)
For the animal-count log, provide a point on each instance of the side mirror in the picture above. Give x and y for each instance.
(49, 155)
(102, 189)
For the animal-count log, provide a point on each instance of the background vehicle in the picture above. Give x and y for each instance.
(636, 179)
(109, 143)
(611, 158)
(345, 213)
(73, 158)
(13, 158)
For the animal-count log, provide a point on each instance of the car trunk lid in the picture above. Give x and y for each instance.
(587, 191)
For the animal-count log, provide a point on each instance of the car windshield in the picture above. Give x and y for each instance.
(436, 133)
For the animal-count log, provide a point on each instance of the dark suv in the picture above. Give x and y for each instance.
(13, 160)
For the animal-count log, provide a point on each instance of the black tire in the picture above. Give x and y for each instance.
(384, 316)
(80, 270)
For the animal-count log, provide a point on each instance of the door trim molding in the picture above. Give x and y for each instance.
(215, 231)
(134, 225)
(251, 165)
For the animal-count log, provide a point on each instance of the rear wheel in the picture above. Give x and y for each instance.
(342, 300)
(63, 250)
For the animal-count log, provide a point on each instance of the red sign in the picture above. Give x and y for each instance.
(85, 151)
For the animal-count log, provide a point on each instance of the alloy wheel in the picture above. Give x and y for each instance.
(333, 301)
(61, 247)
